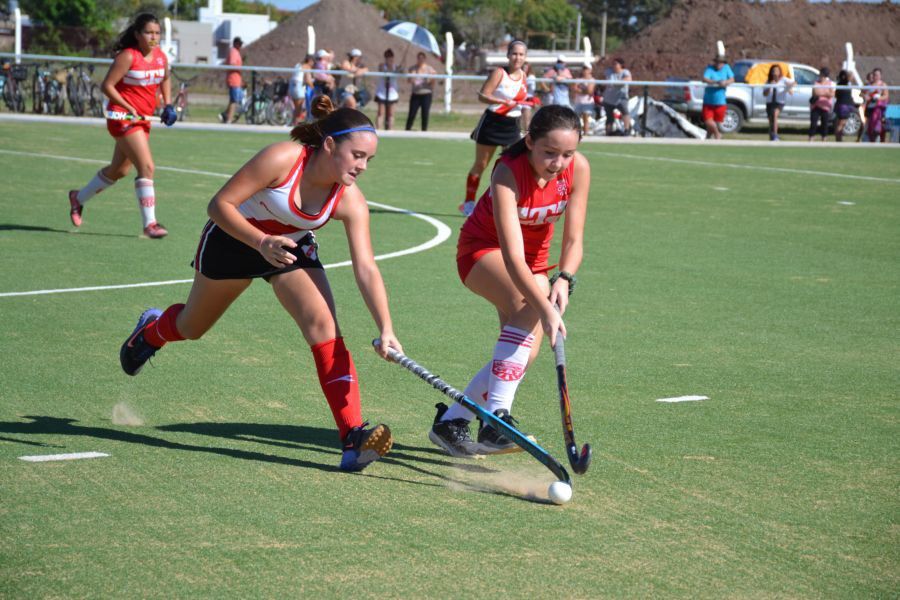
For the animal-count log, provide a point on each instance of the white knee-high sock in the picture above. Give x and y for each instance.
(96, 185)
(476, 391)
(508, 367)
(146, 197)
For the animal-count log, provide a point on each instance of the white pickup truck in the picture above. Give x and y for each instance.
(748, 104)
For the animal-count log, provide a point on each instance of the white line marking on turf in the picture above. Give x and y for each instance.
(443, 232)
(684, 399)
(106, 162)
(846, 202)
(706, 163)
(73, 456)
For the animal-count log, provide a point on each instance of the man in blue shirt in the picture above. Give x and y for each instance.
(717, 76)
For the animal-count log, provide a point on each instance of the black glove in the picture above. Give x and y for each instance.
(168, 116)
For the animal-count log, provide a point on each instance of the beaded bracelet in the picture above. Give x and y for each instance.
(568, 277)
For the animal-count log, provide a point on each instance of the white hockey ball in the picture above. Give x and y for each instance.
(560, 492)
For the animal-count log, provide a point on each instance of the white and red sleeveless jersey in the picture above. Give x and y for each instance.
(273, 210)
(138, 86)
(509, 89)
(539, 208)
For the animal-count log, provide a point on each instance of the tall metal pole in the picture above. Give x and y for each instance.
(603, 36)
(578, 33)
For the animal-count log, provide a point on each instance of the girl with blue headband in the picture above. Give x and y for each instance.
(261, 226)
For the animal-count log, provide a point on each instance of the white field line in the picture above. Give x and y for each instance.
(73, 456)
(684, 399)
(705, 163)
(443, 232)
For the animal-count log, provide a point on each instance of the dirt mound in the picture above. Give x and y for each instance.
(340, 26)
(815, 34)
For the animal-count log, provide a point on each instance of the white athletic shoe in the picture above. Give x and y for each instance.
(467, 207)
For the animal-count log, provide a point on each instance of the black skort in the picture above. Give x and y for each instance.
(496, 130)
(220, 256)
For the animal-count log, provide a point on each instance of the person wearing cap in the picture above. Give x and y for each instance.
(323, 83)
(559, 89)
(353, 65)
(717, 77)
(234, 82)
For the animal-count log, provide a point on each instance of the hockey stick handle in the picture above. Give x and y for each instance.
(559, 350)
(117, 115)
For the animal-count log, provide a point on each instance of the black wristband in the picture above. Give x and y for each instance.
(568, 277)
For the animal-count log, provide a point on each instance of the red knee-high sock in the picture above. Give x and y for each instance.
(337, 376)
(472, 186)
(163, 329)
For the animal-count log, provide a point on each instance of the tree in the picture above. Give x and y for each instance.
(624, 17)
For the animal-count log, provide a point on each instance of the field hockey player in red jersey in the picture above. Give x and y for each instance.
(140, 67)
(502, 256)
(261, 226)
(504, 90)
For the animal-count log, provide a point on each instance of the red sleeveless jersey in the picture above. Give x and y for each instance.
(138, 86)
(539, 208)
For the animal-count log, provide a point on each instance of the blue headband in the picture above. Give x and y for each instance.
(351, 130)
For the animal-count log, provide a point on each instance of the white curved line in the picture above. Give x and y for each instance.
(443, 232)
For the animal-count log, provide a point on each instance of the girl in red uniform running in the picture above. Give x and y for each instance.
(139, 69)
(505, 89)
(502, 256)
(261, 225)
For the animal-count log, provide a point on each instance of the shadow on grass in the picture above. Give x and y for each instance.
(451, 215)
(39, 228)
(298, 437)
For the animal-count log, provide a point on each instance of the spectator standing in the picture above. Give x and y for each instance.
(323, 83)
(234, 82)
(349, 93)
(386, 94)
(616, 96)
(300, 88)
(876, 105)
(776, 95)
(422, 91)
(844, 105)
(559, 89)
(584, 98)
(717, 77)
(821, 103)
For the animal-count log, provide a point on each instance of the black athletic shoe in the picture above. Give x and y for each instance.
(492, 441)
(364, 446)
(453, 436)
(135, 351)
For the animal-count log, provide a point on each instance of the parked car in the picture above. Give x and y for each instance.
(748, 104)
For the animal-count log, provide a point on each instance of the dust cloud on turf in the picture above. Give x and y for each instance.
(519, 483)
(123, 414)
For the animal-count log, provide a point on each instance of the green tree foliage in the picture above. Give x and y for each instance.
(624, 17)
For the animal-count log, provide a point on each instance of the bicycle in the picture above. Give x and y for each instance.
(46, 92)
(281, 110)
(10, 88)
(256, 106)
(84, 95)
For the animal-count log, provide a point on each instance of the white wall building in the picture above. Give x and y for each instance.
(227, 26)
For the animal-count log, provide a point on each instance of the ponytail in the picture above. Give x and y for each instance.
(546, 119)
(330, 122)
(128, 39)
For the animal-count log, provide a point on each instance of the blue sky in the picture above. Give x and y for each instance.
(293, 4)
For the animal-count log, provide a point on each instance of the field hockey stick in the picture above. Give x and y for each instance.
(580, 463)
(115, 115)
(508, 431)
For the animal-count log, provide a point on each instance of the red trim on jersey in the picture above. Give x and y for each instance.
(273, 227)
(300, 160)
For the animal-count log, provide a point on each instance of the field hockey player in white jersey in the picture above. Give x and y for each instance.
(139, 69)
(505, 90)
(261, 226)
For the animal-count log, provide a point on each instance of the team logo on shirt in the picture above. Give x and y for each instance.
(507, 371)
(541, 215)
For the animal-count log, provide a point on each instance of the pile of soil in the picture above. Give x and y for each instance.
(340, 26)
(683, 43)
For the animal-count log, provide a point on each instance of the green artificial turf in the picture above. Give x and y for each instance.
(748, 275)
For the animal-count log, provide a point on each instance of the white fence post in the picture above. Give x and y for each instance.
(18, 17)
(448, 83)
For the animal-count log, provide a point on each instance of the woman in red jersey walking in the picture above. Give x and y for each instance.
(502, 256)
(139, 69)
(261, 226)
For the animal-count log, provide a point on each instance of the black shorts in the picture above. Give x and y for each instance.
(220, 256)
(771, 106)
(496, 130)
